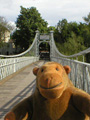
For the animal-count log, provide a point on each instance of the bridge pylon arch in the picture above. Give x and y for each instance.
(44, 38)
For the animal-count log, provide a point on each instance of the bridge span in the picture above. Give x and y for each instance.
(17, 87)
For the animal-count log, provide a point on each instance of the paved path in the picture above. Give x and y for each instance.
(17, 88)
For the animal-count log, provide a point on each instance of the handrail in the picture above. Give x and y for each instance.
(12, 65)
(23, 53)
(80, 72)
(70, 56)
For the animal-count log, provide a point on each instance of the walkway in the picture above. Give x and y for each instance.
(17, 88)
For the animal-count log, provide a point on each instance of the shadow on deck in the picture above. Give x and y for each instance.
(17, 88)
(20, 96)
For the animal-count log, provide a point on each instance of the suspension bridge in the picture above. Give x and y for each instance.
(17, 80)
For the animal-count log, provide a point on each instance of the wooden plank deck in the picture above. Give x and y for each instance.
(17, 88)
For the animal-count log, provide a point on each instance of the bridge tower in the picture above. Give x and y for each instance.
(41, 49)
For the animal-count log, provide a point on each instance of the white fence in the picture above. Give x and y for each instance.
(11, 65)
(80, 72)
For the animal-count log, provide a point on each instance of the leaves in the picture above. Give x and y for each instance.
(69, 37)
(27, 23)
(87, 19)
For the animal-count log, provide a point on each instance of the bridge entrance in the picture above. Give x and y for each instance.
(44, 51)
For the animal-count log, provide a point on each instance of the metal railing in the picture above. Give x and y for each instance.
(55, 51)
(80, 72)
(31, 50)
(11, 65)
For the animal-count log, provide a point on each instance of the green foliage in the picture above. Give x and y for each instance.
(27, 23)
(2, 30)
(63, 30)
(74, 44)
(87, 19)
(4, 26)
(51, 28)
(72, 37)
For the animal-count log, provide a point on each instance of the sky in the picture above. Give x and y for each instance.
(51, 10)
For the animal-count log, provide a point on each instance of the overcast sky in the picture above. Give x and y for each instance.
(51, 10)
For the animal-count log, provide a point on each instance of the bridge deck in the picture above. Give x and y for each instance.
(17, 88)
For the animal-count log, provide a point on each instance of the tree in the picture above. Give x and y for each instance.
(2, 29)
(62, 27)
(70, 37)
(73, 27)
(27, 23)
(73, 45)
(51, 28)
(86, 35)
(87, 19)
(5, 24)
(86, 31)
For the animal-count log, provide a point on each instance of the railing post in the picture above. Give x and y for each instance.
(75, 74)
(77, 58)
(83, 58)
(51, 43)
(37, 47)
(14, 65)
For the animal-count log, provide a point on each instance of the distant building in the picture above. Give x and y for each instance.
(6, 36)
(9, 47)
